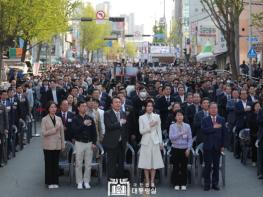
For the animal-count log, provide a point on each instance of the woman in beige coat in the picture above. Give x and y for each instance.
(53, 143)
(150, 157)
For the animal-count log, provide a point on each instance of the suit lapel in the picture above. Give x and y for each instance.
(50, 121)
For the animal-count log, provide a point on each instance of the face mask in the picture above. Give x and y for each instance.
(143, 94)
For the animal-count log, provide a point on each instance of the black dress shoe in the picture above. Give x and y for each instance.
(260, 177)
(206, 188)
(215, 187)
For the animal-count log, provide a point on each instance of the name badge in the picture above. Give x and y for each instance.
(69, 120)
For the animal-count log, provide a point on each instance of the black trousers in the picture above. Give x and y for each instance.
(51, 166)
(254, 148)
(211, 157)
(179, 160)
(1, 148)
(115, 161)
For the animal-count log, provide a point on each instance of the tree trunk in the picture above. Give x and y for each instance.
(38, 52)
(232, 56)
(237, 51)
(23, 57)
(1, 62)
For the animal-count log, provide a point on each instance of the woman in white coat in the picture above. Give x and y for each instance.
(151, 144)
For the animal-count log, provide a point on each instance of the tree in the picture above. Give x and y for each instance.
(225, 15)
(258, 19)
(174, 39)
(43, 24)
(130, 49)
(91, 34)
(113, 52)
(159, 33)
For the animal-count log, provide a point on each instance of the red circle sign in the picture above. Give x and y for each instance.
(100, 15)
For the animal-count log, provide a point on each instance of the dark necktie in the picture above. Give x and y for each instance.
(64, 118)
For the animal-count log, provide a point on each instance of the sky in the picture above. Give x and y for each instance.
(145, 11)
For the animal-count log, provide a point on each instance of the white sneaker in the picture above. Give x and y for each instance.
(183, 188)
(254, 164)
(55, 186)
(80, 185)
(50, 186)
(177, 188)
(86, 185)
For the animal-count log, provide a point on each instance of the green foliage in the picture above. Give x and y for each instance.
(258, 19)
(159, 29)
(173, 37)
(91, 34)
(130, 49)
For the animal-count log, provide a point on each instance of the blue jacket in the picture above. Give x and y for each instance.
(213, 138)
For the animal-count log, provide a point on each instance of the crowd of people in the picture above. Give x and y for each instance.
(186, 105)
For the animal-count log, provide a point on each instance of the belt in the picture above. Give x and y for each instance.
(83, 141)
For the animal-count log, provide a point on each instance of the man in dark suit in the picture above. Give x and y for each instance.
(198, 119)
(22, 103)
(252, 98)
(43, 92)
(115, 139)
(3, 130)
(193, 109)
(214, 130)
(66, 117)
(242, 110)
(260, 139)
(164, 105)
(54, 93)
(222, 101)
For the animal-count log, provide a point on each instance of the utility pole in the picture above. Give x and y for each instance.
(250, 36)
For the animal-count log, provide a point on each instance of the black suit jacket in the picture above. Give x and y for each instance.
(162, 106)
(260, 125)
(68, 124)
(113, 130)
(22, 107)
(213, 138)
(190, 113)
(60, 95)
(241, 115)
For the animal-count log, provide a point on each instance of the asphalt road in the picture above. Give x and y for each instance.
(24, 177)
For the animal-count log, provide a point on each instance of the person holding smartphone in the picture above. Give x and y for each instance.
(150, 157)
(180, 135)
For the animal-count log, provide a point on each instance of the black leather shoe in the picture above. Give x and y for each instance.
(215, 187)
(260, 177)
(206, 188)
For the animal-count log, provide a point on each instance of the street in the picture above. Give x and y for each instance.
(24, 177)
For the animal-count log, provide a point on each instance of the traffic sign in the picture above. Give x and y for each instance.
(253, 39)
(252, 53)
(100, 15)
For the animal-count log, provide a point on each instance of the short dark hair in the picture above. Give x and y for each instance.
(115, 97)
(147, 102)
(205, 99)
(80, 103)
(178, 112)
(89, 98)
(48, 105)
(212, 103)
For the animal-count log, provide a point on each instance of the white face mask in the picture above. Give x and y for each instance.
(143, 94)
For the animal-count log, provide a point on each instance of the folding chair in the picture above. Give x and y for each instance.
(65, 159)
(96, 162)
(244, 137)
(190, 166)
(130, 166)
(201, 164)
(13, 133)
